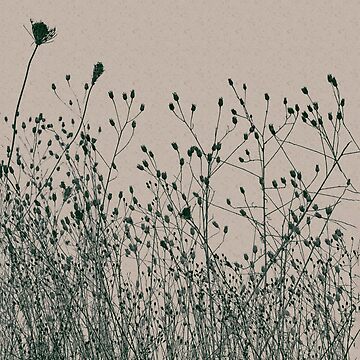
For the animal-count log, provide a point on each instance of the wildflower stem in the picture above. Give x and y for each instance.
(18, 104)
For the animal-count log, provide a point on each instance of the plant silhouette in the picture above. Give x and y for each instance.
(66, 238)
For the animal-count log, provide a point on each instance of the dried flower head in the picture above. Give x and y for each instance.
(97, 72)
(42, 33)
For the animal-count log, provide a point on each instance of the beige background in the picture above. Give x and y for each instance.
(192, 47)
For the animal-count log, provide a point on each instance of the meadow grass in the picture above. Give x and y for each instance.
(67, 241)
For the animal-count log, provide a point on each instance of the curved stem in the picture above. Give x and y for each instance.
(18, 104)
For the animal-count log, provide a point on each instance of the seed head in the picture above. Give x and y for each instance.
(42, 33)
(97, 72)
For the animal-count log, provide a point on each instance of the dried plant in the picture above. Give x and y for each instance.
(68, 241)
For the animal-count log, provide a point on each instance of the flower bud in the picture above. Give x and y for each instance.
(272, 130)
(67, 77)
(231, 83)
(111, 94)
(97, 72)
(132, 94)
(124, 95)
(86, 86)
(305, 91)
(244, 87)
(193, 107)
(53, 86)
(267, 97)
(175, 96)
(221, 102)
(142, 107)
(171, 106)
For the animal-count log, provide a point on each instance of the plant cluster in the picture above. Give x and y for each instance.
(67, 240)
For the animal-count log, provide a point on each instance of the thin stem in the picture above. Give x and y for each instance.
(18, 103)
